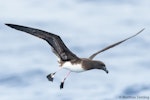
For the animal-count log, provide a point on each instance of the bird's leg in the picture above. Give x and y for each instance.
(51, 75)
(62, 83)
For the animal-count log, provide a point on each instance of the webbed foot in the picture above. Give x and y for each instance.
(51, 77)
(61, 85)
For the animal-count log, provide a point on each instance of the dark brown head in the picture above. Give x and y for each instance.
(94, 64)
(99, 65)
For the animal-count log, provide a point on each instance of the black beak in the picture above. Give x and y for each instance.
(105, 70)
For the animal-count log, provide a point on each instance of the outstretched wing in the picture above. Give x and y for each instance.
(113, 45)
(59, 48)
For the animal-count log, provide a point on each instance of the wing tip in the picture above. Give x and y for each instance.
(10, 25)
(7, 24)
(15, 26)
(141, 30)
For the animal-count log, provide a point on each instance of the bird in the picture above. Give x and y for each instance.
(66, 58)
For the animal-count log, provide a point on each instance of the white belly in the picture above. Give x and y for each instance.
(73, 68)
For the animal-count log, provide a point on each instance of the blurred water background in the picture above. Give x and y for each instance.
(85, 26)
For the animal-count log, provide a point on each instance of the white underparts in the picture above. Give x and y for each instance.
(73, 67)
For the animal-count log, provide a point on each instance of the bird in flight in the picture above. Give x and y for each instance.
(66, 58)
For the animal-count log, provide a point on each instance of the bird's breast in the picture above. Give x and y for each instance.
(73, 67)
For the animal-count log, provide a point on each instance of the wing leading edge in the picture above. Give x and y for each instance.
(113, 45)
(58, 46)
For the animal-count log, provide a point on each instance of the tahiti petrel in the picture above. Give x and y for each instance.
(67, 59)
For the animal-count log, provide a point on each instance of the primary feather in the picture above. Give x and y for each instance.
(113, 45)
(58, 46)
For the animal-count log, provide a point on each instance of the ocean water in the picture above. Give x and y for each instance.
(85, 26)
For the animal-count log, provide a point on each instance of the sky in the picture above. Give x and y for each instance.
(85, 26)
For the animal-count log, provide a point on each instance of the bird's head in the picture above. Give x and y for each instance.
(100, 65)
